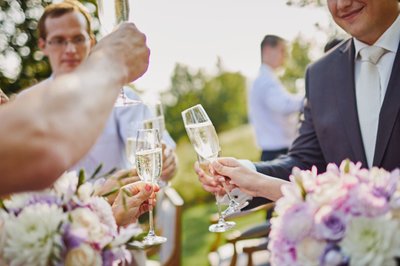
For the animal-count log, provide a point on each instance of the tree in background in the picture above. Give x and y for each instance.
(223, 96)
(18, 43)
(296, 64)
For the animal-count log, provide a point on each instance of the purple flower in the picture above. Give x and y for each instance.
(72, 238)
(282, 252)
(330, 224)
(333, 256)
(108, 257)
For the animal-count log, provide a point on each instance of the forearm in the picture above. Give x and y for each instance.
(49, 129)
(268, 187)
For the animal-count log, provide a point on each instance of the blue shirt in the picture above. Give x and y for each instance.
(273, 111)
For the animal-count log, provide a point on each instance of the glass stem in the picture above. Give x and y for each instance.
(151, 223)
(228, 193)
(220, 217)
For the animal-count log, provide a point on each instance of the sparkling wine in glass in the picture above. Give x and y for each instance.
(205, 141)
(149, 166)
(156, 121)
(111, 13)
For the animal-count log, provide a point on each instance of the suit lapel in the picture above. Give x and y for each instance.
(346, 100)
(389, 111)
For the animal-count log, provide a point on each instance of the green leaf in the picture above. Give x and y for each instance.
(110, 192)
(96, 171)
(347, 166)
(81, 178)
(109, 172)
(2, 205)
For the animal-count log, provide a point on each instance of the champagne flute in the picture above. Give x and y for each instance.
(149, 166)
(221, 225)
(157, 119)
(111, 13)
(205, 141)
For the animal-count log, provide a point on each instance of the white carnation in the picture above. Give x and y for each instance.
(83, 255)
(371, 241)
(85, 192)
(96, 231)
(309, 251)
(103, 210)
(33, 238)
(66, 184)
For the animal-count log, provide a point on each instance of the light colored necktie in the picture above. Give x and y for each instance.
(368, 95)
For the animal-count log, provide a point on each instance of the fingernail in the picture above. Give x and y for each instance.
(147, 187)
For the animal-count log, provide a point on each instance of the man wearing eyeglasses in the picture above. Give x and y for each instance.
(65, 36)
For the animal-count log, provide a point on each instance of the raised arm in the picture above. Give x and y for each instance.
(45, 132)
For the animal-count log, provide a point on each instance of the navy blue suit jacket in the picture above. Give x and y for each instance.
(330, 130)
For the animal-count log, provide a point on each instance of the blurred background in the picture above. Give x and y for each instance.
(202, 52)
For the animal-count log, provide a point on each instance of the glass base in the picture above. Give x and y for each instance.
(221, 227)
(154, 240)
(234, 208)
(147, 242)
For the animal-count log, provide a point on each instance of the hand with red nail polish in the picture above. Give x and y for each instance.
(132, 201)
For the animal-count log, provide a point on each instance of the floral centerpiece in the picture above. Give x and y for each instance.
(345, 216)
(64, 225)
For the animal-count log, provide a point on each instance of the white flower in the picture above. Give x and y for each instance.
(3, 217)
(33, 238)
(83, 255)
(371, 241)
(309, 251)
(103, 210)
(17, 201)
(96, 231)
(85, 192)
(66, 184)
(126, 233)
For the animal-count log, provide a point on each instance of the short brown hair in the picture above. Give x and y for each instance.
(59, 9)
(271, 40)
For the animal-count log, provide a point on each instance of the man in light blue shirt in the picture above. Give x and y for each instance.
(273, 111)
(66, 38)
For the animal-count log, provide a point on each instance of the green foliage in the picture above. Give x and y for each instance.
(18, 43)
(223, 97)
(296, 64)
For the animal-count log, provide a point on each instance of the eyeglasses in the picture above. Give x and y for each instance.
(62, 43)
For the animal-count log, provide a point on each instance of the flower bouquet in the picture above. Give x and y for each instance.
(345, 216)
(64, 225)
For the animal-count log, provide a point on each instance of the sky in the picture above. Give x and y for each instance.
(196, 33)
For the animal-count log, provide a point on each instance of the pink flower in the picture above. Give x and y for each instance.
(296, 223)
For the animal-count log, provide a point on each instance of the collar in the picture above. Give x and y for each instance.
(389, 40)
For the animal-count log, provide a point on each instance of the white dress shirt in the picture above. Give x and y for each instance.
(273, 111)
(110, 147)
(389, 41)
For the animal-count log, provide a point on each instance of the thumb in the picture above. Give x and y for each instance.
(224, 166)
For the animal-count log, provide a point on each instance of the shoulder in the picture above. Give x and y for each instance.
(332, 58)
(131, 93)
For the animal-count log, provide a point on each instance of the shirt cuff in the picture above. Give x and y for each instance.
(240, 196)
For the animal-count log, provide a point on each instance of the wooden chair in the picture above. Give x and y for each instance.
(241, 247)
(168, 224)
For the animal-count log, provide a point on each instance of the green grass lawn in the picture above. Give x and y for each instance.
(197, 240)
(200, 205)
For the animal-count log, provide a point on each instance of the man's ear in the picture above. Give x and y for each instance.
(42, 45)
